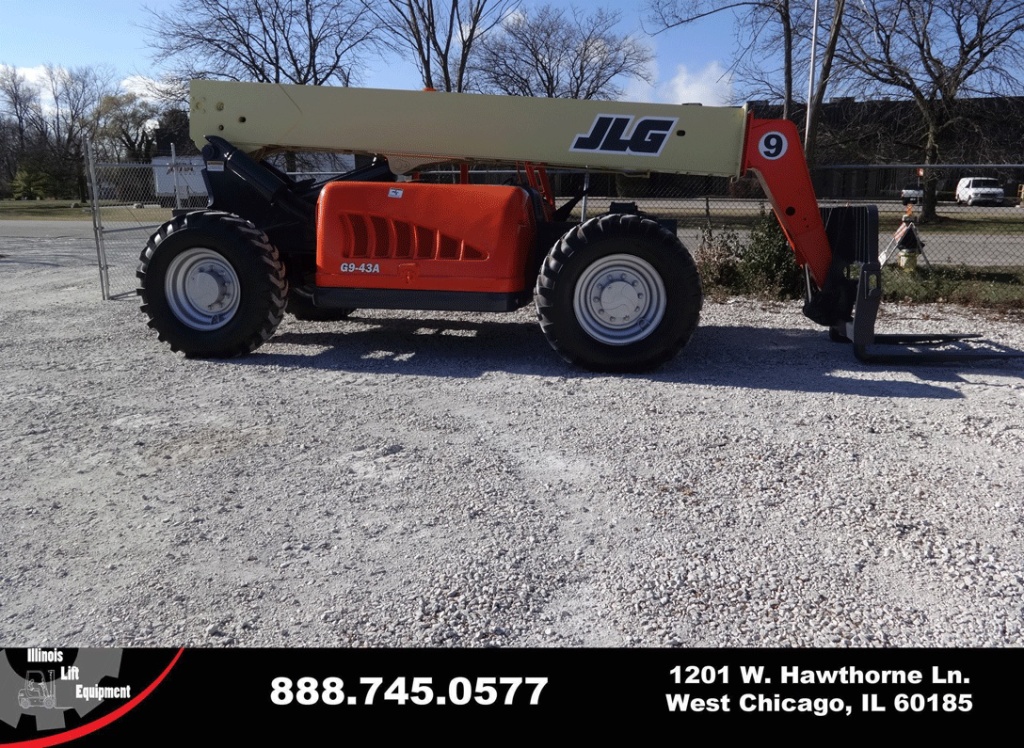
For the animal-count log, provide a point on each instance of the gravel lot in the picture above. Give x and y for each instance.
(432, 479)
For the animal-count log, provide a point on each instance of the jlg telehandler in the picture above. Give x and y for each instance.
(617, 292)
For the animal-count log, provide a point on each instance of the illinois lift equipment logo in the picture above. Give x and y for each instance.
(617, 133)
(52, 695)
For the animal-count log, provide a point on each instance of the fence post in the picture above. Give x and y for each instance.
(97, 223)
(174, 171)
(586, 189)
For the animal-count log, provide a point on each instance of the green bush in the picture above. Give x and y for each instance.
(767, 266)
(718, 258)
(30, 185)
(764, 266)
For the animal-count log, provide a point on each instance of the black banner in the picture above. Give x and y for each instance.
(83, 697)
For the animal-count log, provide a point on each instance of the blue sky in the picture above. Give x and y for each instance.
(690, 64)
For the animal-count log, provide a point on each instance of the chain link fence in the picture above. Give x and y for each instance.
(129, 202)
(969, 253)
(971, 250)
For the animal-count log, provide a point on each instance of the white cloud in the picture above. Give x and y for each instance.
(711, 86)
(515, 15)
(139, 85)
(37, 79)
(35, 75)
(642, 91)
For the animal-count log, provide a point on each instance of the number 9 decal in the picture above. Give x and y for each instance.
(772, 145)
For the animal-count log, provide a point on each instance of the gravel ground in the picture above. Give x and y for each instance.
(407, 479)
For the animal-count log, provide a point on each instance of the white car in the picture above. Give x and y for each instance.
(978, 190)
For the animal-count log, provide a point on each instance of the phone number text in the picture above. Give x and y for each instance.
(458, 691)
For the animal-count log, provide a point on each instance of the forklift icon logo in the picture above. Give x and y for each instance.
(46, 683)
(38, 692)
(612, 133)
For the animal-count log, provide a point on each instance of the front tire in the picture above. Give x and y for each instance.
(618, 293)
(212, 285)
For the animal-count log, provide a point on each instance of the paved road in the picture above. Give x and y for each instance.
(18, 229)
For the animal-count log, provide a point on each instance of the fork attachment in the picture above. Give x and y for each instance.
(853, 235)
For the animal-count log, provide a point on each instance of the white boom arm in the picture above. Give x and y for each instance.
(417, 126)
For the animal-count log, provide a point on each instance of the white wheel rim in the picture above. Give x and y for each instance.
(620, 299)
(202, 289)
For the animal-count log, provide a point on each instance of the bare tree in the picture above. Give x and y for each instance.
(126, 127)
(20, 101)
(768, 31)
(71, 120)
(824, 79)
(756, 19)
(555, 53)
(311, 42)
(440, 37)
(47, 125)
(935, 53)
(169, 92)
(23, 147)
(8, 155)
(75, 93)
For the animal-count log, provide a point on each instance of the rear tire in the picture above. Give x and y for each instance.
(618, 293)
(212, 285)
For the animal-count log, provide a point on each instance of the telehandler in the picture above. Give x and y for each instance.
(616, 292)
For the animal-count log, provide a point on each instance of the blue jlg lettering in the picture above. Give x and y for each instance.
(617, 134)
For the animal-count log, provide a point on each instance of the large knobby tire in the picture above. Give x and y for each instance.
(212, 285)
(300, 305)
(618, 293)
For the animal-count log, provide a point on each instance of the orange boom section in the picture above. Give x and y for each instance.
(773, 152)
(425, 237)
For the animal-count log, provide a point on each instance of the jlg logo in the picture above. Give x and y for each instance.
(612, 133)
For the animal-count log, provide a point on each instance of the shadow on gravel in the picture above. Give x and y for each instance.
(417, 347)
(760, 358)
(807, 361)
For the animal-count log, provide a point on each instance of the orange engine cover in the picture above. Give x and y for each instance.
(428, 237)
